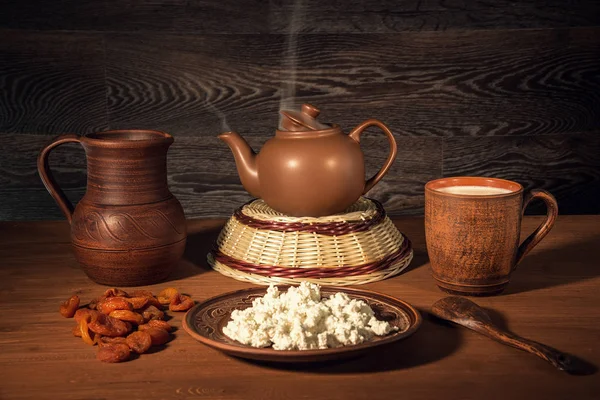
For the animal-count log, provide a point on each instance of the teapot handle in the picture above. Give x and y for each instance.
(46, 175)
(355, 134)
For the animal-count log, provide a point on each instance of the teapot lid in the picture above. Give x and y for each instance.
(302, 120)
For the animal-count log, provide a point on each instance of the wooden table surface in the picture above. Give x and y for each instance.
(554, 298)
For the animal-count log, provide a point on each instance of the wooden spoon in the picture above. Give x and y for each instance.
(464, 312)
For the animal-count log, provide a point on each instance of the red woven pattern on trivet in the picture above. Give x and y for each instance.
(322, 228)
(314, 272)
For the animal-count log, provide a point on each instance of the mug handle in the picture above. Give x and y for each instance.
(544, 228)
(355, 134)
(44, 170)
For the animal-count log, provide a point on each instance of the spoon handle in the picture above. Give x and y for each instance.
(557, 358)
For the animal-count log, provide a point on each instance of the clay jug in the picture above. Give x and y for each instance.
(309, 169)
(128, 229)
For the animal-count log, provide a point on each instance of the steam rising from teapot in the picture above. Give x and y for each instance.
(290, 60)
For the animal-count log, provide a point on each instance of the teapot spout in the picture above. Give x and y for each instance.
(245, 161)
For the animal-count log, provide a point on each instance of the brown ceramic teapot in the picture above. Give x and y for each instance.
(308, 168)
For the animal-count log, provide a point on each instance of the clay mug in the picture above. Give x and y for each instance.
(128, 229)
(472, 229)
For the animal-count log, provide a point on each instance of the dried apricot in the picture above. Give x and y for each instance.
(166, 296)
(139, 341)
(94, 303)
(105, 340)
(153, 301)
(138, 302)
(114, 292)
(108, 326)
(181, 303)
(156, 323)
(76, 331)
(69, 307)
(111, 304)
(84, 332)
(150, 299)
(129, 316)
(159, 336)
(84, 313)
(152, 312)
(109, 320)
(113, 353)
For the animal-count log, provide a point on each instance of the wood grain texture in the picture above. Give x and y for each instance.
(226, 16)
(51, 82)
(416, 15)
(201, 85)
(431, 69)
(230, 16)
(545, 301)
(530, 82)
(464, 83)
(54, 15)
(22, 192)
(202, 174)
(567, 165)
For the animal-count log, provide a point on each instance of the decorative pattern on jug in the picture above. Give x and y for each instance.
(128, 227)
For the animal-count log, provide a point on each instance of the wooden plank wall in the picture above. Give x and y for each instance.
(495, 88)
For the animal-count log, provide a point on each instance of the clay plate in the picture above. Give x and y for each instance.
(205, 322)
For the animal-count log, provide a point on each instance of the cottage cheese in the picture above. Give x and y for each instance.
(300, 319)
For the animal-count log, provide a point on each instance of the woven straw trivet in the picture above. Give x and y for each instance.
(262, 246)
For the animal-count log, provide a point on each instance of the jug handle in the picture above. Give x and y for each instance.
(355, 134)
(46, 175)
